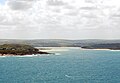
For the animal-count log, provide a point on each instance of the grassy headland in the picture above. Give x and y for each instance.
(19, 49)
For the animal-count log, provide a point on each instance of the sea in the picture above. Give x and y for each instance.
(70, 66)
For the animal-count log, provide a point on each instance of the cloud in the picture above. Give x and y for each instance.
(69, 7)
(20, 4)
(55, 3)
(116, 15)
(57, 17)
(89, 8)
(89, 1)
(2, 18)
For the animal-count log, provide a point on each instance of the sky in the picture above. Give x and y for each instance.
(59, 19)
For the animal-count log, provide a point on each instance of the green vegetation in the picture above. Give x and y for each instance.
(18, 49)
(112, 46)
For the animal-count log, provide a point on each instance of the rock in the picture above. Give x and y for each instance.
(18, 49)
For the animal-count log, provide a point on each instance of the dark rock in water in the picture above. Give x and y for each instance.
(18, 49)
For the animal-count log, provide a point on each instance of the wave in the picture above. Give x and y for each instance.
(2, 56)
(37, 55)
(57, 54)
(115, 50)
(68, 76)
(27, 56)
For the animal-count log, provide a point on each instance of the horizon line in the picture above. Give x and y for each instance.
(52, 39)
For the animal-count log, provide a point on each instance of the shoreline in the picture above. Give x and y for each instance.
(94, 49)
(99, 49)
(55, 49)
(52, 50)
(33, 54)
(48, 49)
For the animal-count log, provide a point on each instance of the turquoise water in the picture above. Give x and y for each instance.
(73, 66)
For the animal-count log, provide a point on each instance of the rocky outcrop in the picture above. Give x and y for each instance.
(19, 49)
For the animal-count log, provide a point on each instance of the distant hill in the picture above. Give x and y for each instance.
(111, 46)
(58, 42)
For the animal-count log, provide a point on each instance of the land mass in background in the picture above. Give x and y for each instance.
(86, 44)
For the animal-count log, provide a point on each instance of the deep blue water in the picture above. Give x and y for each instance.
(74, 66)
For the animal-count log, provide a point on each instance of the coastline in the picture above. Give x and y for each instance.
(55, 49)
(19, 50)
(99, 49)
(52, 50)
(29, 54)
(94, 49)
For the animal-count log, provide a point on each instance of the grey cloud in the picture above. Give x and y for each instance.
(61, 17)
(88, 8)
(55, 3)
(56, 10)
(72, 10)
(116, 15)
(2, 18)
(4, 21)
(5, 27)
(20, 5)
(89, 1)
(69, 7)
(74, 13)
(89, 16)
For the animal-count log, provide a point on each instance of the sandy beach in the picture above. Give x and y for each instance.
(55, 49)
(95, 49)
